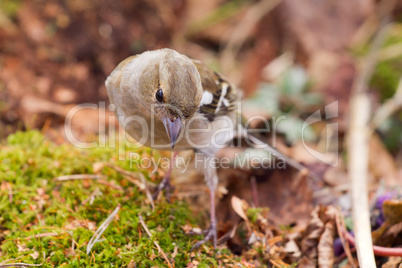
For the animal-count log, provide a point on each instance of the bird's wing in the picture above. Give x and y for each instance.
(219, 97)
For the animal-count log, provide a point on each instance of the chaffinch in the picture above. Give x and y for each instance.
(166, 100)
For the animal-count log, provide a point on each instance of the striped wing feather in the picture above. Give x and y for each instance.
(224, 95)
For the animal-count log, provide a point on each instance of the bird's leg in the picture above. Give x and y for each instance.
(210, 233)
(212, 181)
(165, 183)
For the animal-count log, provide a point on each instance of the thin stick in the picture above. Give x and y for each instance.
(110, 185)
(358, 150)
(147, 193)
(20, 264)
(41, 235)
(340, 225)
(156, 243)
(130, 176)
(102, 228)
(91, 198)
(230, 234)
(80, 177)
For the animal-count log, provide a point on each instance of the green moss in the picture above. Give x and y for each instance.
(39, 204)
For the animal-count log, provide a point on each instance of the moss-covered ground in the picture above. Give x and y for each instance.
(49, 222)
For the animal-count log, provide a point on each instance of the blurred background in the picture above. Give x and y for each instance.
(289, 57)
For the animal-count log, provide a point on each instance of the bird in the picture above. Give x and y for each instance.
(168, 101)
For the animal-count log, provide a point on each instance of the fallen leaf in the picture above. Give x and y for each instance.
(326, 246)
(174, 252)
(393, 262)
(312, 235)
(237, 205)
(34, 255)
(21, 247)
(190, 229)
(392, 211)
(81, 223)
(292, 249)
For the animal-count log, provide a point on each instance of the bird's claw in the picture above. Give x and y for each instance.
(163, 186)
(210, 234)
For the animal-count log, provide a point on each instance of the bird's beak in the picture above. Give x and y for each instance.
(173, 129)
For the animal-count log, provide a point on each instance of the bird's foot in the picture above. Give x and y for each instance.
(164, 186)
(210, 235)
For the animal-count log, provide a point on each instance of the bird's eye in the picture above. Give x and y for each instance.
(159, 95)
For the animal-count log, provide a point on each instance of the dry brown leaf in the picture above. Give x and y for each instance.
(307, 263)
(175, 251)
(386, 234)
(392, 211)
(312, 235)
(221, 191)
(393, 262)
(188, 229)
(325, 247)
(237, 205)
(34, 255)
(292, 249)
(21, 247)
(81, 223)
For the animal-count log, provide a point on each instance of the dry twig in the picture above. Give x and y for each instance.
(20, 264)
(131, 176)
(358, 139)
(110, 185)
(340, 225)
(102, 228)
(41, 235)
(79, 177)
(91, 198)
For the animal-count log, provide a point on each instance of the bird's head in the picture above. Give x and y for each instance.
(168, 84)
